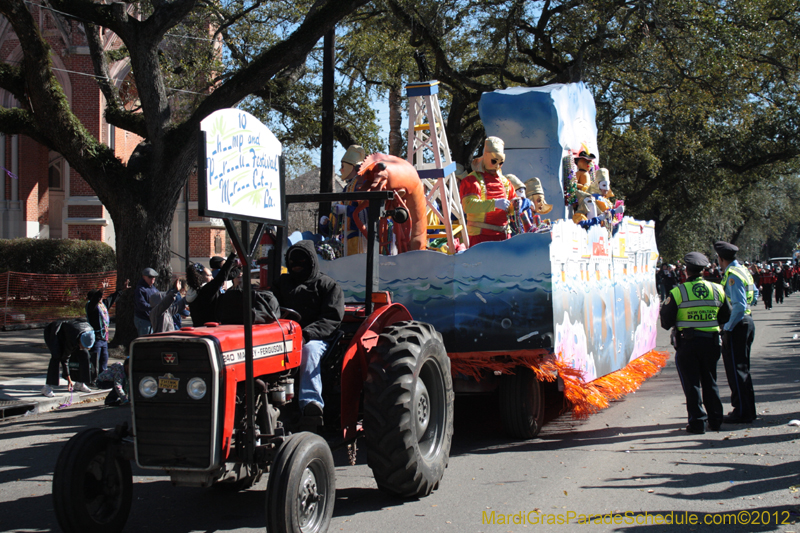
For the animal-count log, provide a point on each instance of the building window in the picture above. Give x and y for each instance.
(112, 136)
(54, 175)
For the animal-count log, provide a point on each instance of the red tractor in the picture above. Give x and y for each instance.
(212, 406)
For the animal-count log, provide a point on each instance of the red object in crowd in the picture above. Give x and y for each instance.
(767, 277)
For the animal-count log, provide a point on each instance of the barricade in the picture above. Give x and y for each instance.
(35, 299)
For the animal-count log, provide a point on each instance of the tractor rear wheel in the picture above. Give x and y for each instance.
(92, 488)
(408, 410)
(301, 489)
(522, 403)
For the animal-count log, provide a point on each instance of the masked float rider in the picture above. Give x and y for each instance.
(486, 195)
(342, 214)
(538, 203)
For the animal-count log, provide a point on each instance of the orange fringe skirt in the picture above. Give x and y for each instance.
(582, 398)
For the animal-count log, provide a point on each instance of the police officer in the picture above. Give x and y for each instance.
(697, 308)
(738, 334)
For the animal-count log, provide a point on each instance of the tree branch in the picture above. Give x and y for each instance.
(288, 52)
(115, 113)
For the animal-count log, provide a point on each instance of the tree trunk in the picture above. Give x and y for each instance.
(143, 237)
(396, 121)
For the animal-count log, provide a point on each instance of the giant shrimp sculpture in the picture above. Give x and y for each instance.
(380, 172)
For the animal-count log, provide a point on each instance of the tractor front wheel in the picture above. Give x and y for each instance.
(92, 487)
(301, 489)
(408, 410)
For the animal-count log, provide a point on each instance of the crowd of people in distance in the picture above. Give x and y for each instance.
(774, 279)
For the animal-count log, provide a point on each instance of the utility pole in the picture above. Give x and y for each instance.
(326, 152)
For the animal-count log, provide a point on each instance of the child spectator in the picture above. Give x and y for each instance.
(97, 315)
(115, 377)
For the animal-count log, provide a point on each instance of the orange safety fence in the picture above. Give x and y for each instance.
(27, 299)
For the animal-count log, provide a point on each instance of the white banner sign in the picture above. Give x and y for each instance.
(242, 178)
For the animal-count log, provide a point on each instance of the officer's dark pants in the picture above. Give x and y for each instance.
(736, 357)
(767, 296)
(696, 360)
(779, 292)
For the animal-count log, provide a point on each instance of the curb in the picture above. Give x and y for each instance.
(51, 404)
(37, 405)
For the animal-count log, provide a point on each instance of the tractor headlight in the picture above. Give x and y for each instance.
(148, 387)
(196, 388)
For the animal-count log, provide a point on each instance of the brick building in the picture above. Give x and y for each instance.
(45, 198)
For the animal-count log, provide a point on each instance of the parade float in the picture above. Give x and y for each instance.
(571, 301)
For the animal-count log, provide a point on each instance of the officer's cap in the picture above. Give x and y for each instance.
(695, 260)
(725, 250)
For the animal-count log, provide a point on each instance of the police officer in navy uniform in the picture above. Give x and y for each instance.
(697, 308)
(738, 334)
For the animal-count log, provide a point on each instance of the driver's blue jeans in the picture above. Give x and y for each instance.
(310, 379)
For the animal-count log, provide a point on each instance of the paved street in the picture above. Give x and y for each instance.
(631, 458)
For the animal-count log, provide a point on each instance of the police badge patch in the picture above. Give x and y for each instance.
(730, 281)
(668, 300)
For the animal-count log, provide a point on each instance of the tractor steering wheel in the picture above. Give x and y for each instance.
(290, 314)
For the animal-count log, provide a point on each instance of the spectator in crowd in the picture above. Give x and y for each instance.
(204, 290)
(660, 275)
(165, 306)
(787, 279)
(97, 309)
(779, 284)
(215, 263)
(115, 377)
(683, 276)
(766, 282)
(141, 301)
(68, 339)
(669, 280)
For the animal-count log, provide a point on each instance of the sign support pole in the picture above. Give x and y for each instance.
(245, 254)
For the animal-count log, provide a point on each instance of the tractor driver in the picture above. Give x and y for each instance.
(320, 302)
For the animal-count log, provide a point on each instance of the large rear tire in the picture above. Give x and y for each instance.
(301, 489)
(92, 489)
(408, 410)
(522, 403)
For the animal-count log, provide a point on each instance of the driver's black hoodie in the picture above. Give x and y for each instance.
(316, 296)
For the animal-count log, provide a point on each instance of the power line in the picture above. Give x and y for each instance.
(107, 78)
(71, 16)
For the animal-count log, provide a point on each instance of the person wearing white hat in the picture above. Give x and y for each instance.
(351, 160)
(342, 214)
(602, 185)
(486, 195)
(536, 196)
